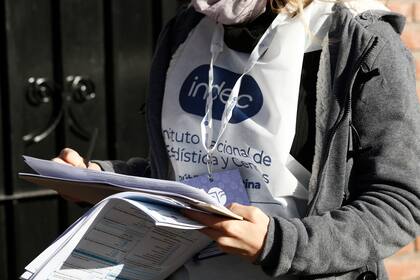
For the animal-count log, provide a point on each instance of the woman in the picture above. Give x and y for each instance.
(295, 86)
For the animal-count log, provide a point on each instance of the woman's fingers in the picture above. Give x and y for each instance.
(226, 244)
(94, 166)
(211, 221)
(224, 226)
(249, 213)
(212, 233)
(59, 160)
(245, 238)
(72, 157)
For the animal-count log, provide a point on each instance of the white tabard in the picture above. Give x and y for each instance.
(259, 135)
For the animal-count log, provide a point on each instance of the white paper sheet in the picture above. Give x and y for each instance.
(52, 169)
(119, 239)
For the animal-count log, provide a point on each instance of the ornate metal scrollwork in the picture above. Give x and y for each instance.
(82, 89)
(41, 91)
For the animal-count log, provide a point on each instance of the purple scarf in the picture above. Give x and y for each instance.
(230, 11)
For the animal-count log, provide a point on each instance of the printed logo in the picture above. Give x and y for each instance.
(218, 194)
(194, 92)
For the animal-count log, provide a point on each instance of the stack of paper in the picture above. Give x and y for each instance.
(137, 232)
(93, 186)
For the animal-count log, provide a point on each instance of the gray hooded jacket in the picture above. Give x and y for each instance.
(364, 199)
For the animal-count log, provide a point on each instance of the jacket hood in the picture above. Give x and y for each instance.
(354, 29)
(397, 21)
(375, 8)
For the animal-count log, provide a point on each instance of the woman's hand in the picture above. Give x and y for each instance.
(244, 238)
(71, 157)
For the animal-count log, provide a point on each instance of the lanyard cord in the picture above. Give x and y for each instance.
(215, 49)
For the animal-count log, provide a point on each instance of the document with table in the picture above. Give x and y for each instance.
(136, 229)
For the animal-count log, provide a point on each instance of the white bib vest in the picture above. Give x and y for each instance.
(260, 132)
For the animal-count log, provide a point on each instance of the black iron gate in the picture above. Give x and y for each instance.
(68, 68)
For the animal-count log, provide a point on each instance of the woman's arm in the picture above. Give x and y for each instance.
(134, 166)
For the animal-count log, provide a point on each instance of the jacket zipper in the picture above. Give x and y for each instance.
(347, 108)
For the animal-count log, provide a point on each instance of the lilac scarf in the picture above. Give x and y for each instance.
(230, 11)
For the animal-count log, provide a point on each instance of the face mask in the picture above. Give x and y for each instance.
(230, 11)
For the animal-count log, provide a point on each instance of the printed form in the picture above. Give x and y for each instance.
(136, 231)
(123, 242)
